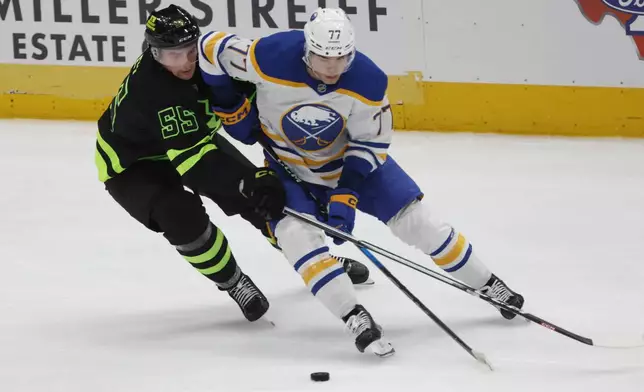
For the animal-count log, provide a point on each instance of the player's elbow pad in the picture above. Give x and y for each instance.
(240, 121)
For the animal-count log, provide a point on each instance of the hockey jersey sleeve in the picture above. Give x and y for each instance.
(225, 60)
(223, 56)
(370, 130)
(122, 138)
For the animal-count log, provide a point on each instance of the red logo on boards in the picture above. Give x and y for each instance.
(630, 13)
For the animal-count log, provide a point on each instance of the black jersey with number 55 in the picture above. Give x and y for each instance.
(157, 116)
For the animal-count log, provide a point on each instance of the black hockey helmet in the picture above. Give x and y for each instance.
(171, 27)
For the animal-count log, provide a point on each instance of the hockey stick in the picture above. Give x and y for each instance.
(459, 285)
(480, 357)
(363, 245)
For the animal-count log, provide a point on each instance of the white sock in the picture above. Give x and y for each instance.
(305, 248)
(449, 249)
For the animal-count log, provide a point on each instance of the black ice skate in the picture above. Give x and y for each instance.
(497, 289)
(367, 333)
(251, 301)
(358, 272)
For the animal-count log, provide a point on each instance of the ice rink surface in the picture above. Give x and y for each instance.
(91, 301)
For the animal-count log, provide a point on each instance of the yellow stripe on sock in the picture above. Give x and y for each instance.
(453, 254)
(314, 269)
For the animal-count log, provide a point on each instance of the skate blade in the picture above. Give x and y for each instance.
(368, 282)
(382, 348)
(268, 321)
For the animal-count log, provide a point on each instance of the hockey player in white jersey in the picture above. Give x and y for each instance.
(323, 108)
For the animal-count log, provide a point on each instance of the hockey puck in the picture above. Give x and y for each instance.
(320, 376)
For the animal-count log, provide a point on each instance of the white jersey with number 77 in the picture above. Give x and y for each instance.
(312, 126)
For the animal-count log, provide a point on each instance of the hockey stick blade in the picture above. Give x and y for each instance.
(612, 344)
(619, 343)
(482, 359)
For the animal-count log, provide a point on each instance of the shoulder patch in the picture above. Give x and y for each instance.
(278, 58)
(364, 81)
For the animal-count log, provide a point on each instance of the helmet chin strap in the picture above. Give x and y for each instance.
(307, 62)
(315, 74)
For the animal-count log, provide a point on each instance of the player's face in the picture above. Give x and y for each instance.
(181, 62)
(328, 69)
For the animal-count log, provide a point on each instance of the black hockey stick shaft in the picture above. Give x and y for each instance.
(476, 355)
(470, 290)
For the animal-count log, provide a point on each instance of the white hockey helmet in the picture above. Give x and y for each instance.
(329, 33)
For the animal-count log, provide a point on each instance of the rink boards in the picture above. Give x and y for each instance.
(547, 67)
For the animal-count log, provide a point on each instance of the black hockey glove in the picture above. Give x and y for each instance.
(266, 193)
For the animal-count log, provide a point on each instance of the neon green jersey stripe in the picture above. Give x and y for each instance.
(172, 154)
(190, 162)
(111, 154)
(101, 166)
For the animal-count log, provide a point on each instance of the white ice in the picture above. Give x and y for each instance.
(91, 301)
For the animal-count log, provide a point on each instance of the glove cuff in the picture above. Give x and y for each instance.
(345, 197)
(233, 116)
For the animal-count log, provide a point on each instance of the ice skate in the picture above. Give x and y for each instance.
(358, 272)
(497, 289)
(250, 299)
(368, 334)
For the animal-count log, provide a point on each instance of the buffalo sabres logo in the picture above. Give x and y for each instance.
(312, 127)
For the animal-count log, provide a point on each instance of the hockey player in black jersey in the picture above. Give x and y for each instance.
(159, 134)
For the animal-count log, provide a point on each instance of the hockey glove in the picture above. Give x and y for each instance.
(240, 121)
(342, 210)
(265, 192)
